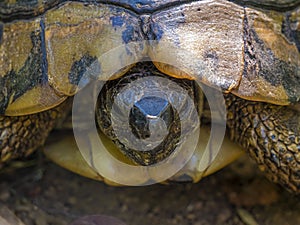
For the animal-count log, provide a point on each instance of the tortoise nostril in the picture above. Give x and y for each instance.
(150, 115)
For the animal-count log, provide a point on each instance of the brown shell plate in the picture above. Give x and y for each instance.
(248, 48)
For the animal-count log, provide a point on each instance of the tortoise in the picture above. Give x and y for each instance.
(249, 49)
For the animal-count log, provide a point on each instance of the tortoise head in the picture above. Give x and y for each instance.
(144, 127)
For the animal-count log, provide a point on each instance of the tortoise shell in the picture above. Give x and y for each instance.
(250, 47)
(247, 48)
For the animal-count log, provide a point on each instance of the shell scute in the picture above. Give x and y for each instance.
(84, 39)
(272, 61)
(210, 33)
(250, 51)
(42, 59)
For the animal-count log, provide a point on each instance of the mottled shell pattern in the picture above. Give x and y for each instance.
(251, 46)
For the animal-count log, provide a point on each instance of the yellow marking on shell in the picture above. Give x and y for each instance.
(39, 98)
(75, 30)
(211, 32)
(260, 90)
(72, 14)
(16, 44)
(11, 1)
(173, 71)
(268, 26)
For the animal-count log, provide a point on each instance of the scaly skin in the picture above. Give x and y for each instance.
(271, 135)
(21, 135)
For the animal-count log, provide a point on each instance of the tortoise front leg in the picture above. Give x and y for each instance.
(271, 135)
(21, 135)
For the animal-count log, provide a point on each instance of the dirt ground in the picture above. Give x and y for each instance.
(46, 194)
